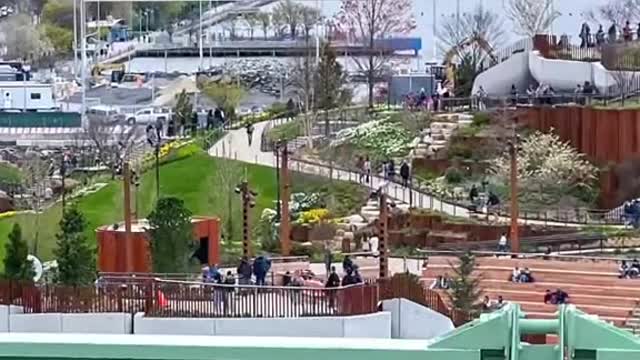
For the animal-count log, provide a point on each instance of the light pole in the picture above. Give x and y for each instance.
(514, 213)
(248, 202)
(154, 138)
(75, 39)
(83, 45)
(201, 52)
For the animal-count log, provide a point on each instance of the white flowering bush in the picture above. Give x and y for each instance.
(381, 138)
(546, 165)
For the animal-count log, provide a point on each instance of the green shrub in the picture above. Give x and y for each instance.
(453, 175)
(459, 150)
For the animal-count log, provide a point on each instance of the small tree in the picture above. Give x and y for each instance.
(227, 96)
(16, 265)
(329, 83)
(465, 291)
(75, 256)
(183, 109)
(531, 17)
(171, 235)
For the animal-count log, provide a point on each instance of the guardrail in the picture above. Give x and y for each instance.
(168, 298)
(539, 255)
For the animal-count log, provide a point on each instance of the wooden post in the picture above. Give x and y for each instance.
(127, 216)
(515, 239)
(383, 221)
(246, 200)
(285, 243)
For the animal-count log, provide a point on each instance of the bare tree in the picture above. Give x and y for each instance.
(370, 20)
(23, 40)
(309, 17)
(626, 83)
(531, 17)
(226, 179)
(302, 84)
(290, 13)
(35, 171)
(265, 22)
(252, 21)
(113, 144)
(615, 12)
(467, 35)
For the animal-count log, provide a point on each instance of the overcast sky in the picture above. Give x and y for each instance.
(569, 22)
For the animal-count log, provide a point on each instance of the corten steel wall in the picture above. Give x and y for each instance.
(112, 246)
(606, 136)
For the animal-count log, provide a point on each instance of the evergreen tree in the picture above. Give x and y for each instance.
(171, 236)
(16, 265)
(182, 110)
(465, 293)
(329, 83)
(76, 258)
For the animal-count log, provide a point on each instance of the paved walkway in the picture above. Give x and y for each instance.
(234, 145)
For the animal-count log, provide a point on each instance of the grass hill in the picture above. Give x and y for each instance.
(199, 180)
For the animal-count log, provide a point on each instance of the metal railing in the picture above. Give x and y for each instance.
(422, 198)
(214, 300)
(170, 298)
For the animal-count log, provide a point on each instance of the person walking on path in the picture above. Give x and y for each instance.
(405, 173)
(250, 133)
(367, 169)
(360, 167)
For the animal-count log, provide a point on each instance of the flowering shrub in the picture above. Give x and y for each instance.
(301, 202)
(546, 165)
(173, 150)
(8, 214)
(314, 216)
(381, 138)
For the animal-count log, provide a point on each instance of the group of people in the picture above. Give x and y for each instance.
(613, 35)
(424, 101)
(260, 268)
(363, 164)
(490, 305)
(351, 274)
(522, 275)
(557, 297)
(629, 269)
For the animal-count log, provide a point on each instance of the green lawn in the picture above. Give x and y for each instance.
(195, 179)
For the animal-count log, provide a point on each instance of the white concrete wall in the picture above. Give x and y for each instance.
(414, 321)
(371, 326)
(104, 323)
(497, 80)
(172, 326)
(38, 323)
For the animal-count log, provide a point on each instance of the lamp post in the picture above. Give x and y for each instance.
(63, 174)
(154, 138)
(277, 152)
(248, 202)
(514, 213)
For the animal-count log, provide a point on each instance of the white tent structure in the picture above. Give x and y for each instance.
(168, 94)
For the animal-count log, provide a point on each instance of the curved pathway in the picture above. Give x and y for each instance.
(234, 145)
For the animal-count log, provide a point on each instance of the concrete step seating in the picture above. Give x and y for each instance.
(593, 287)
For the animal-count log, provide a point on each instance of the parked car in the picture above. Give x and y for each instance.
(150, 116)
(105, 114)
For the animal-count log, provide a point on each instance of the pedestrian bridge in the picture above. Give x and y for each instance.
(493, 336)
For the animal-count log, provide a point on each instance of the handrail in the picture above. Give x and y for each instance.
(437, 202)
(555, 256)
